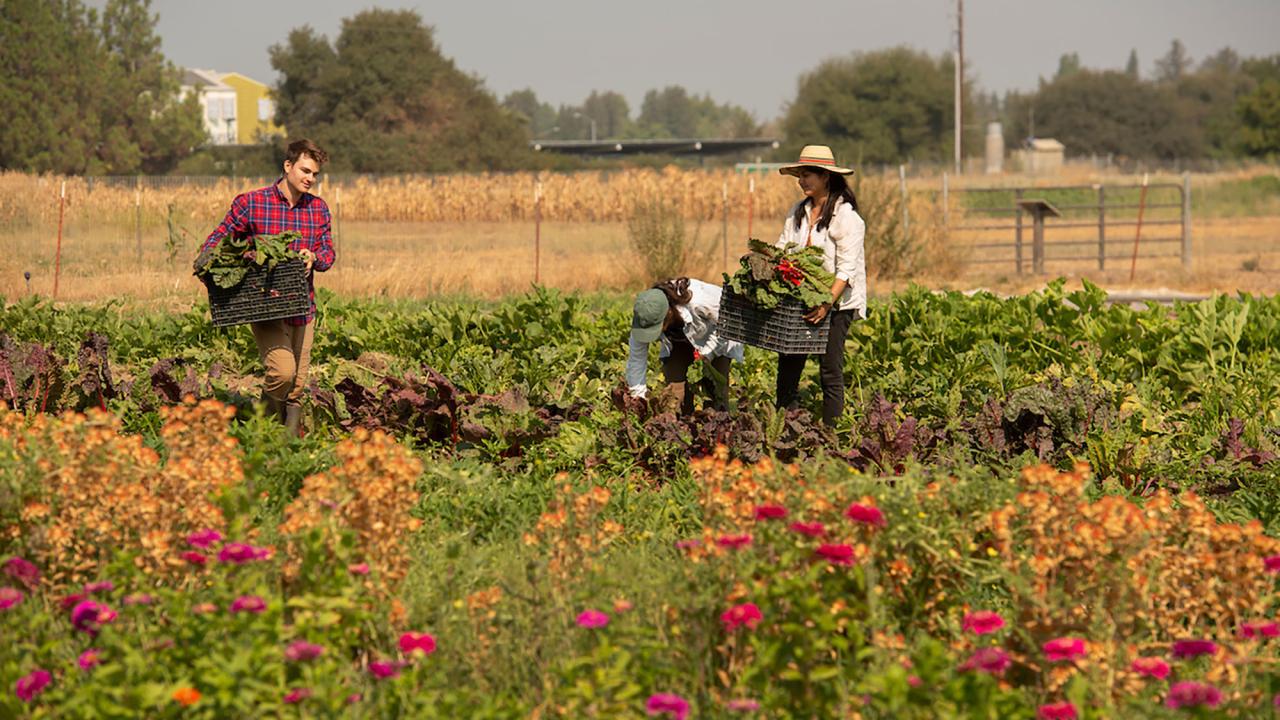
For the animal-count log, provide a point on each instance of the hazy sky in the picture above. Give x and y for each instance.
(749, 52)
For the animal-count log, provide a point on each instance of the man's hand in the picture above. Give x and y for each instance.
(202, 260)
(816, 315)
(308, 257)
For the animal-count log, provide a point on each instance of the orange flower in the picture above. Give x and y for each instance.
(187, 696)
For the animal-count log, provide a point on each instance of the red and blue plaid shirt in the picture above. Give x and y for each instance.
(266, 211)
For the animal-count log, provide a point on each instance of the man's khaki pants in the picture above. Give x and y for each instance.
(286, 352)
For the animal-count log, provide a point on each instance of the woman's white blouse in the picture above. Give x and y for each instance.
(701, 315)
(841, 244)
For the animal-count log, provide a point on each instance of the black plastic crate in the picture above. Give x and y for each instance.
(782, 329)
(263, 295)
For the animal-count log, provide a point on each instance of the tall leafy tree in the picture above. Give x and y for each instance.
(539, 116)
(1259, 109)
(611, 113)
(383, 98)
(1131, 68)
(1174, 64)
(886, 106)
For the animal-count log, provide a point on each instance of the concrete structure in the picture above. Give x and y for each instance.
(255, 110)
(217, 101)
(1041, 156)
(995, 149)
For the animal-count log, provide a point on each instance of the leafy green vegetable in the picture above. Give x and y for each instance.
(233, 257)
(769, 274)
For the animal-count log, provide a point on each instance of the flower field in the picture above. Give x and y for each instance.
(1035, 507)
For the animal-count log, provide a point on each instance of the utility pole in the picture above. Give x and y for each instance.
(959, 83)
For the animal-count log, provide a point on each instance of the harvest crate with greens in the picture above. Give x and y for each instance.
(763, 304)
(255, 279)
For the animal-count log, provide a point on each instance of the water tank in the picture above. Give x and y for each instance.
(995, 148)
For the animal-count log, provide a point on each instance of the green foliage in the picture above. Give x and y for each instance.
(658, 236)
(383, 98)
(234, 256)
(769, 274)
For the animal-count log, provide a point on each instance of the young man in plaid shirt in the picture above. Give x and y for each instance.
(285, 345)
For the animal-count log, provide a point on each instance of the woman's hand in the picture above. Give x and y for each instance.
(817, 314)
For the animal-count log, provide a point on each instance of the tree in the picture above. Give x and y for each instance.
(611, 113)
(1209, 96)
(1131, 67)
(886, 106)
(85, 95)
(383, 98)
(1259, 109)
(539, 116)
(1174, 64)
(668, 113)
(1067, 64)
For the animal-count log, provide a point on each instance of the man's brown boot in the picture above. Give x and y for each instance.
(272, 407)
(292, 420)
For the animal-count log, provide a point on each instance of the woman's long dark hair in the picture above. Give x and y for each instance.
(837, 187)
(678, 293)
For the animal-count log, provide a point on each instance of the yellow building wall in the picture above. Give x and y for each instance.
(249, 129)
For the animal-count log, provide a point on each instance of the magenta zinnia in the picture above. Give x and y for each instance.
(1260, 629)
(770, 512)
(1193, 694)
(9, 597)
(866, 514)
(297, 695)
(31, 685)
(413, 642)
(204, 538)
(1271, 563)
(301, 651)
(1150, 667)
(745, 614)
(1183, 649)
(89, 658)
(88, 616)
(988, 659)
(241, 553)
(1066, 648)
(1057, 711)
(100, 586)
(23, 571)
(982, 622)
(384, 670)
(733, 542)
(248, 603)
(667, 704)
(811, 529)
(836, 554)
(592, 619)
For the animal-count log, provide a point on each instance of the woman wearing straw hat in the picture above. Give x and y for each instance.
(827, 218)
(683, 313)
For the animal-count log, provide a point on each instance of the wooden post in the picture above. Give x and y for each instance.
(57, 258)
(537, 231)
(1186, 220)
(946, 202)
(1037, 244)
(1102, 227)
(751, 203)
(137, 220)
(906, 217)
(1017, 232)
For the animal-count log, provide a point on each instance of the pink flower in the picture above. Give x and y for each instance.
(1272, 563)
(297, 695)
(688, 543)
(358, 568)
(733, 542)
(745, 614)
(1193, 694)
(982, 622)
(1065, 648)
(194, 558)
(70, 601)
(241, 553)
(1150, 667)
(667, 704)
(97, 587)
(89, 658)
(914, 681)
(742, 705)
(32, 685)
(988, 659)
(204, 538)
(88, 616)
(1260, 629)
(592, 619)
(770, 512)
(413, 642)
(1057, 711)
(248, 603)
(1183, 649)
(138, 599)
(384, 670)
(301, 651)
(836, 554)
(812, 529)
(10, 597)
(22, 571)
(866, 514)
(354, 698)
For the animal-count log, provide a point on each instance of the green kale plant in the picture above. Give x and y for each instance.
(769, 274)
(233, 257)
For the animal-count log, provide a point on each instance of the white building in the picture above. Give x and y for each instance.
(217, 99)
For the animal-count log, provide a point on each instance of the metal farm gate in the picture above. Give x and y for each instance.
(1029, 227)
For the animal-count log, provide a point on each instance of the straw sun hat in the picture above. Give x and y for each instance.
(815, 156)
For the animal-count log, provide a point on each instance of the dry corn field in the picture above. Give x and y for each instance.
(476, 234)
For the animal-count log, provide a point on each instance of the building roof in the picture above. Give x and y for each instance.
(1046, 144)
(676, 146)
(195, 77)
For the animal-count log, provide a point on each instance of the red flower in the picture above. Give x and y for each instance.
(1254, 630)
(204, 538)
(384, 670)
(770, 512)
(194, 558)
(413, 642)
(733, 542)
(592, 619)
(1193, 694)
(812, 529)
(745, 614)
(667, 704)
(89, 658)
(836, 554)
(297, 695)
(32, 685)
(248, 603)
(1150, 667)
(1183, 649)
(1057, 711)
(241, 553)
(982, 622)
(1271, 563)
(23, 571)
(867, 514)
(1067, 648)
(301, 651)
(988, 659)
(9, 597)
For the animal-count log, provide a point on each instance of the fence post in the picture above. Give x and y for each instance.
(1102, 227)
(751, 203)
(57, 258)
(537, 231)
(1186, 221)
(337, 218)
(724, 224)
(946, 204)
(137, 214)
(906, 217)
(1017, 232)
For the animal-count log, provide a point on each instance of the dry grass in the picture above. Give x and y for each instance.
(584, 246)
